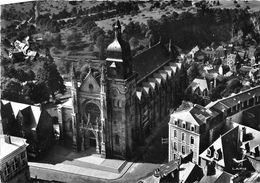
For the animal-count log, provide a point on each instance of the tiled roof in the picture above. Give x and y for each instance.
(147, 61)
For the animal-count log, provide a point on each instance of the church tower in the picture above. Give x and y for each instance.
(121, 88)
(75, 115)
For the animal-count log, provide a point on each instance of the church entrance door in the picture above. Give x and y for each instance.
(92, 139)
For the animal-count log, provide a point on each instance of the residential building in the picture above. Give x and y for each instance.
(13, 159)
(188, 130)
(199, 87)
(236, 150)
(204, 124)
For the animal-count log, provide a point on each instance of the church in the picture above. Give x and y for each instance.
(121, 99)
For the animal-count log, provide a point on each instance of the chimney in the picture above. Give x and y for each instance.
(257, 151)
(210, 86)
(242, 134)
(8, 139)
(247, 146)
(211, 169)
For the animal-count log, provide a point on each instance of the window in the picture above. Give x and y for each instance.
(183, 125)
(176, 122)
(22, 155)
(117, 139)
(90, 86)
(174, 156)
(183, 136)
(191, 140)
(183, 149)
(7, 169)
(208, 152)
(16, 163)
(192, 128)
(119, 103)
(175, 146)
(216, 155)
(175, 133)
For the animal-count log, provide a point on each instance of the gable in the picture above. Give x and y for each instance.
(90, 84)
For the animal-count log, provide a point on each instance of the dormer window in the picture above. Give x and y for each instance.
(217, 155)
(175, 122)
(183, 125)
(192, 128)
(210, 152)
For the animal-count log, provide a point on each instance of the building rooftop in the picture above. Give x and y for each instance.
(225, 103)
(7, 148)
(218, 177)
(196, 115)
(20, 107)
(199, 83)
(150, 59)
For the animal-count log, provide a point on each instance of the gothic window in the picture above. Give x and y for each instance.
(90, 86)
(117, 139)
(92, 114)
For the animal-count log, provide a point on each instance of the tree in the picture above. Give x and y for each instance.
(88, 26)
(193, 71)
(11, 89)
(100, 44)
(95, 32)
(49, 75)
(133, 42)
(36, 92)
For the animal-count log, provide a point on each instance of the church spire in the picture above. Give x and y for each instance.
(74, 83)
(117, 29)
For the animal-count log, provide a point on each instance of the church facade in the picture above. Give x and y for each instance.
(121, 99)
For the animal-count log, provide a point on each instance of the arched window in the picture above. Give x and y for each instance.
(117, 139)
(183, 136)
(175, 146)
(192, 128)
(191, 140)
(183, 149)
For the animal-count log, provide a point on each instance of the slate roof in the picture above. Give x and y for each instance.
(219, 177)
(147, 61)
(6, 148)
(232, 100)
(196, 115)
(19, 107)
(199, 83)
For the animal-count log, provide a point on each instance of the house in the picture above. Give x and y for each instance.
(13, 160)
(236, 150)
(199, 87)
(30, 122)
(216, 176)
(188, 132)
